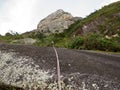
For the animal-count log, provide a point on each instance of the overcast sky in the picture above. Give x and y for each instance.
(24, 15)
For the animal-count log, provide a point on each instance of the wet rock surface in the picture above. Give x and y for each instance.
(35, 68)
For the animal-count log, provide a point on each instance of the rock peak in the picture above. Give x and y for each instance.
(56, 22)
(60, 10)
(58, 13)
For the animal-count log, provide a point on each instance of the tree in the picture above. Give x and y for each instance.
(8, 34)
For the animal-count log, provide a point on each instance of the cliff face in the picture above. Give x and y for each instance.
(56, 22)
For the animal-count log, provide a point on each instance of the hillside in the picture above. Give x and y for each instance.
(102, 28)
(105, 21)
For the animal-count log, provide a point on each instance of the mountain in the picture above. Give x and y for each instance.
(56, 22)
(98, 31)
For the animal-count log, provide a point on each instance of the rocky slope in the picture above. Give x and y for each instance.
(56, 22)
(35, 68)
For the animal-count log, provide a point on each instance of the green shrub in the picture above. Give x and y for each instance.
(95, 42)
(36, 35)
(46, 41)
(92, 41)
(10, 37)
(76, 43)
(98, 42)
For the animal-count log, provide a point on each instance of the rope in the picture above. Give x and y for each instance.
(58, 67)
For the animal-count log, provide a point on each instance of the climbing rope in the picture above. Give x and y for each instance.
(58, 66)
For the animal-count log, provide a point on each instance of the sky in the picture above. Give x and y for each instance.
(24, 15)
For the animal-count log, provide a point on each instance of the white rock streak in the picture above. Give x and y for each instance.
(21, 71)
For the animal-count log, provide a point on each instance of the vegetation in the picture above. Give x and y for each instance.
(10, 37)
(106, 11)
(46, 41)
(95, 42)
(76, 43)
